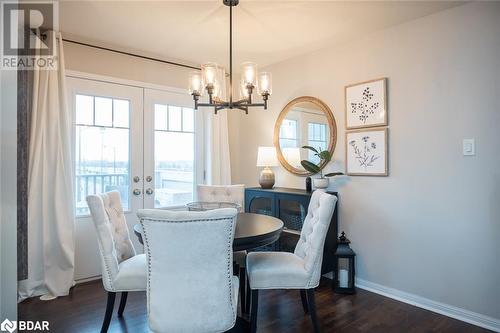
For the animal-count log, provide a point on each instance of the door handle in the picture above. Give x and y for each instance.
(136, 191)
(149, 178)
(136, 179)
(149, 191)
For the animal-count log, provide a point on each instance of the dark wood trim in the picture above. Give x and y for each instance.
(23, 116)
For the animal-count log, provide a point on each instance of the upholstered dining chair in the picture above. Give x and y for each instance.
(299, 270)
(190, 285)
(122, 269)
(234, 194)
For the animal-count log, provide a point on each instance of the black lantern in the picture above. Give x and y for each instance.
(344, 267)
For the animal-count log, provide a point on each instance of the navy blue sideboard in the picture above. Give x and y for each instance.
(290, 205)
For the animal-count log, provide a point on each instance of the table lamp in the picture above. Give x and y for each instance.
(266, 157)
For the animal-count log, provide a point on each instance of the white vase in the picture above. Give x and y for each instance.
(320, 182)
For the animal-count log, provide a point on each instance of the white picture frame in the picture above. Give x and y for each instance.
(365, 104)
(367, 152)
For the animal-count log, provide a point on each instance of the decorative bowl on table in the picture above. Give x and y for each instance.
(203, 205)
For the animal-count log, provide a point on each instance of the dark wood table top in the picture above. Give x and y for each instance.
(252, 231)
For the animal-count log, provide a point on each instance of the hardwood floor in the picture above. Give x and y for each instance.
(279, 311)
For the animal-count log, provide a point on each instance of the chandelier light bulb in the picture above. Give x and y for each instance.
(249, 73)
(209, 73)
(195, 84)
(265, 83)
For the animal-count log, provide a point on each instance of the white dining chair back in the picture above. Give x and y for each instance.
(312, 237)
(122, 269)
(222, 193)
(191, 287)
(114, 241)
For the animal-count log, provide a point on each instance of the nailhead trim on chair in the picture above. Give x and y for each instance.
(229, 271)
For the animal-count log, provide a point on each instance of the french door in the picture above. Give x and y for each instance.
(173, 149)
(146, 144)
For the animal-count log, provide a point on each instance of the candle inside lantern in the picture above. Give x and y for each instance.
(343, 278)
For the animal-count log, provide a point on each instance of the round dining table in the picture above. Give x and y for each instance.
(252, 231)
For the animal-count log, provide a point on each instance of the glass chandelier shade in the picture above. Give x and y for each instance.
(196, 85)
(249, 73)
(265, 83)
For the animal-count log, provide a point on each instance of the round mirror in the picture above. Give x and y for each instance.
(305, 121)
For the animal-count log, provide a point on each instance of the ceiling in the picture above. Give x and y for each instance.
(265, 32)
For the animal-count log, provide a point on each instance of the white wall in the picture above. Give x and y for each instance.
(8, 193)
(95, 61)
(431, 228)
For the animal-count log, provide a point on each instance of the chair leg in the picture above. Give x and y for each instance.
(248, 293)
(123, 302)
(312, 309)
(253, 311)
(303, 298)
(243, 289)
(109, 312)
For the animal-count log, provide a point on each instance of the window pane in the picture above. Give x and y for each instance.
(121, 113)
(102, 164)
(174, 168)
(174, 118)
(316, 138)
(103, 111)
(188, 120)
(84, 109)
(288, 143)
(288, 129)
(160, 117)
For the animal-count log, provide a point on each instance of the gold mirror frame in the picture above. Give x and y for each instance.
(331, 123)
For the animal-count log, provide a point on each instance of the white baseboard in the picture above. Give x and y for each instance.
(438, 307)
(92, 278)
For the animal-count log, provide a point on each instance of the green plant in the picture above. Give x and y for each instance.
(324, 157)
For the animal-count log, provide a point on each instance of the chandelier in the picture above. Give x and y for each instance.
(208, 80)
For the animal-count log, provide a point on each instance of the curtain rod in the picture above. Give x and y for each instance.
(131, 54)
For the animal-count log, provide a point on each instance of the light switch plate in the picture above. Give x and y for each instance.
(469, 147)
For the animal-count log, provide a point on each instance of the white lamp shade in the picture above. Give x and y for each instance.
(292, 156)
(266, 157)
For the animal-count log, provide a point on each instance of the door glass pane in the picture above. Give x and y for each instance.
(121, 113)
(174, 118)
(102, 154)
(187, 120)
(84, 109)
(160, 117)
(174, 161)
(261, 205)
(292, 213)
(103, 111)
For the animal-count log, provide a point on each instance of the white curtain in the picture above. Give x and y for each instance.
(218, 160)
(51, 243)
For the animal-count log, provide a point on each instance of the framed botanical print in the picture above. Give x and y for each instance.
(366, 152)
(365, 104)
